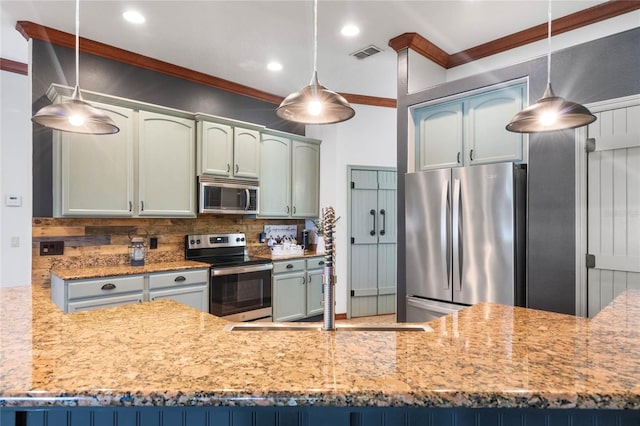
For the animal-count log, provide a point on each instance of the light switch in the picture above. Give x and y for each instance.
(13, 201)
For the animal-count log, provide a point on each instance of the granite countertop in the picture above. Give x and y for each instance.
(165, 353)
(114, 270)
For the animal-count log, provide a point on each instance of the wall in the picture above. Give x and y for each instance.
(602, 69)
(15, 179)
(367, 139)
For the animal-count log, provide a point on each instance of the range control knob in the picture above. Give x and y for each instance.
(192, 242)
(237, 239)
(197, 241)
(242, 239)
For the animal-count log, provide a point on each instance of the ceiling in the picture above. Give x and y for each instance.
(234, 40)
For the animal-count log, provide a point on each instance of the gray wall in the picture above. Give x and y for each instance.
(602, 69)
(56, 64)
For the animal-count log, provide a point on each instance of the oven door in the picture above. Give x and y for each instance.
(241, 293)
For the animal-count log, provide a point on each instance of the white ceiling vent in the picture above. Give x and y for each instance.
(366, 52)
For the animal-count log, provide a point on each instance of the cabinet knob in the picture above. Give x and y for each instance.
(294, 209)
(458, 157)
(108, 286)
(141, 206)
(237, 168)
(471, 155)
(228, 167)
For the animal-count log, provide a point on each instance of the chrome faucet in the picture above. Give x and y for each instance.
(328, 276)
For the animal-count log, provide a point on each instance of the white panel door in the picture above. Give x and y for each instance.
(613, 206)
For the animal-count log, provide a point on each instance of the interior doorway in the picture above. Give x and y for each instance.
(372, 250)
(608, 258)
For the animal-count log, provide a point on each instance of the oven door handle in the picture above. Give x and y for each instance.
(216, 272)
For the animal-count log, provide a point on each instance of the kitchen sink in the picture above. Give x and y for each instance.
(307, 326)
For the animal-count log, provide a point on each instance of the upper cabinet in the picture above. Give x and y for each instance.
(146, 169)
(469, 130)
(227, 150)
(166, 170)
(289, 176)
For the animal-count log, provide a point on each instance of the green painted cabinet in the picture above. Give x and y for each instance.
(297, 288)
(227, 149)
(166, 169)
(93, 175)
(469, 130)
(146, 169)
(289, 176)
(187, 287)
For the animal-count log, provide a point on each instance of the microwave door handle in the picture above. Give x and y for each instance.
(247, 200)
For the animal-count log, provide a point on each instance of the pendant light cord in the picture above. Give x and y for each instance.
(315, 36)
(77, 43)
(549, 44)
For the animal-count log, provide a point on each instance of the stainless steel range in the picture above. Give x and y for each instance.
(239, 284)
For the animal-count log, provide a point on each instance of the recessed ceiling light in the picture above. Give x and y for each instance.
(274, 66)
(133, 16)
(350, 30)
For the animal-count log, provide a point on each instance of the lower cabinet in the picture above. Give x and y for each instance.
(297, 288)
(186, 286)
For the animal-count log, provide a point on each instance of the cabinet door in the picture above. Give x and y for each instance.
(305, 179)
(246, 153)
(438, 132)
(166, 174)
(195, 296)
(314, 292)
(93, 174)
(487, 140)
(275, 176)
(387, 242)
(215, 149)
(289, 297)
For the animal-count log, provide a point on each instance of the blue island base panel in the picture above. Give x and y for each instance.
(312, 416)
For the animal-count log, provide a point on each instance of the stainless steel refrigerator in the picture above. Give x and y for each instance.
(465, 238)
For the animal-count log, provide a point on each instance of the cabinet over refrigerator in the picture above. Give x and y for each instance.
(465, 236)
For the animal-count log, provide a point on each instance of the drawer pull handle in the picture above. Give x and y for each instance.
(289, 266)
(321, 262)
(108, 286)
(180, 278)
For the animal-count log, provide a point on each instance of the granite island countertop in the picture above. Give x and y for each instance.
(164, 353)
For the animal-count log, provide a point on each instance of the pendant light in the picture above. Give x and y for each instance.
(315, 104)
(550, 112)
(75, 115)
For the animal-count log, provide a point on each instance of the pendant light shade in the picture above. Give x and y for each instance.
(315, 104)
(550, 112)
(75, 115)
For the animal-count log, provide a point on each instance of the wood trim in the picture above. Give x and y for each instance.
(561, 25)
(370, 100)
(13, 66)
(51, 35)
(421, 45)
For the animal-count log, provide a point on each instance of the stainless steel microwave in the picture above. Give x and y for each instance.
(217, 195)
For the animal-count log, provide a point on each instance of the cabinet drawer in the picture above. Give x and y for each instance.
(178, 278)
(289, 266)
(104, 302)
(105, 286)
(315, 263)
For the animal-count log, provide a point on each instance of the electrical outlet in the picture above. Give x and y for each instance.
(50, 248)
(153, 243)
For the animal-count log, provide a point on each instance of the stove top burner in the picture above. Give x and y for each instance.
(220, 250)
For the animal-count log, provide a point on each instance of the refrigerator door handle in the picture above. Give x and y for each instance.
(457, 237)
(445, 233)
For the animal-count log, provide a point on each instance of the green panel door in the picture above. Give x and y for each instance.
(387, 182)
(314, 292)
(289, 297)
(215, 149)
(246, 153)
(305, 179)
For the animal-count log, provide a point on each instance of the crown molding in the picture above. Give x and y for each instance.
(30, 30)
(13, 66)
(561, 25)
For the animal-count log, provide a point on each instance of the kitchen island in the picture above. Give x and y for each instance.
(149, 362)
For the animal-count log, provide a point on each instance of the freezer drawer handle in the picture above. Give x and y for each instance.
(372, 212)
(384, 222)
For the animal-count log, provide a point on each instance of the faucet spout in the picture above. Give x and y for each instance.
(328, 276)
